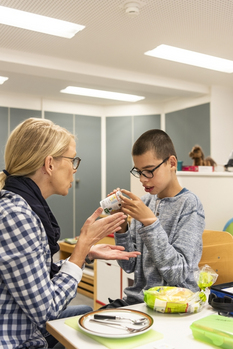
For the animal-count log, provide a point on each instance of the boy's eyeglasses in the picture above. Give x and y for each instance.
(75, 161)
(146, 173)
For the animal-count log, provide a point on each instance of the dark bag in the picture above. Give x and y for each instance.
(117, 303)
(221, 298)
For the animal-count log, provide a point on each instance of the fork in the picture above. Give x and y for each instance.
(114, 324)
(141, 321)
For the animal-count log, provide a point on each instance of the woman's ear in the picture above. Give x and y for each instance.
(48, 164)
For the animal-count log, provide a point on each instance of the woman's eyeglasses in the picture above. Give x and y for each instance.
(75, 161)
(146, 173)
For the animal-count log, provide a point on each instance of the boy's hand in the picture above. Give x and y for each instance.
(125, 224)
(136, 208)
(114, 192)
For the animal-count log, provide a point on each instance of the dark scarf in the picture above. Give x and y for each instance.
(28, 189)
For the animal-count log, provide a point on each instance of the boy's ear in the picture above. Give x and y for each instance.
(173, 161)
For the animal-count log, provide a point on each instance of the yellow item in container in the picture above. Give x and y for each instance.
(167, 299)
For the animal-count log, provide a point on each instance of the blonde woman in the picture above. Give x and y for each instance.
(40, 161)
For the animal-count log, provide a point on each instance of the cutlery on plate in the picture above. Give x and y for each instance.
(140, 321)
(115, 324)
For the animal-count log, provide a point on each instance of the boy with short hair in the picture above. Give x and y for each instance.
(167, 223)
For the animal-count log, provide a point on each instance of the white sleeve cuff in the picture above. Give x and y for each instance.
(72, 269)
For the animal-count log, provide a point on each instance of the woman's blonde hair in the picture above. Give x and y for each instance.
(30, 143)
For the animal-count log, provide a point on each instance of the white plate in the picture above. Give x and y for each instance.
(104, 330)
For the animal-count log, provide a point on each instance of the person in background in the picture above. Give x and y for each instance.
(167, 223)
(40, 161)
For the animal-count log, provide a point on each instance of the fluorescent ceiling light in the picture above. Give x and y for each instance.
(190, 57)
(3, 79)
(38, 23)
(101, 94)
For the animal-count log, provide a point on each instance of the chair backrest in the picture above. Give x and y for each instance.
(218, 254)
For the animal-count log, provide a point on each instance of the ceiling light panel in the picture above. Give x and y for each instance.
(3, 79)
(176, 54)
(38, 23)
(101, 94)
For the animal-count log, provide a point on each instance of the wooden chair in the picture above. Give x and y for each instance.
(218, 254)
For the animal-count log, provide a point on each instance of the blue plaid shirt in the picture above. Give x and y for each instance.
(28, 297)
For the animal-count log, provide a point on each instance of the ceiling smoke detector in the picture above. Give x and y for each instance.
(132, 7)
(132, 10)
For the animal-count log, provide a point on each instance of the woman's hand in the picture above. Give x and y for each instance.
(105, 251)
(94, 230)
(136, 208)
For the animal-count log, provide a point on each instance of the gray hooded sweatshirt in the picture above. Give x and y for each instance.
(171, 247)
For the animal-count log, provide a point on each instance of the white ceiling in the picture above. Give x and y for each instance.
(109, 52)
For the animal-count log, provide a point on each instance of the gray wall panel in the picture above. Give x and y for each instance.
(19, 115)
(61, 119)
(3, 134)
(188, 127)
(143, 123)
(88, 190)
(118, 152)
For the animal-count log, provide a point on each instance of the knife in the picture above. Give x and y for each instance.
(116, 324)
(110, 317)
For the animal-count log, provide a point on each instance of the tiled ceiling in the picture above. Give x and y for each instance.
(109, 52)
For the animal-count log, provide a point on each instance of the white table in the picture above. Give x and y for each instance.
(174, 327)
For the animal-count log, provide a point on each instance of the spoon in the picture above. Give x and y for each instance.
(139, 321)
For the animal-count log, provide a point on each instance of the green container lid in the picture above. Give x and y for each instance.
(214, 329)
